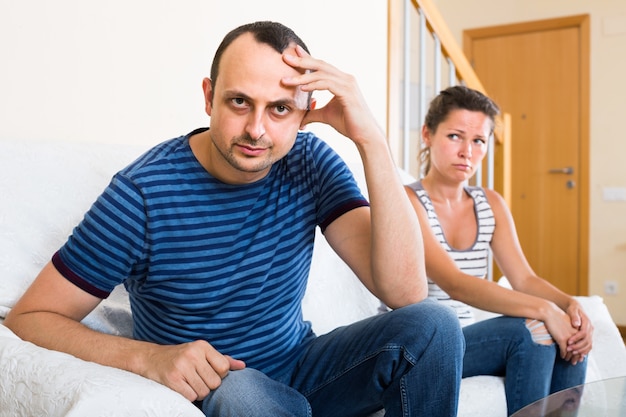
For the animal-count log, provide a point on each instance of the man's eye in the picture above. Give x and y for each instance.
(281, 110)
(238, 102)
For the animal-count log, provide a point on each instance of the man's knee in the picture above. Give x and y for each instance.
(248, 392)
(429, 313)
(431, 318)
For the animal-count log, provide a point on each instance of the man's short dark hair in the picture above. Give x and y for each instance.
(274, 34)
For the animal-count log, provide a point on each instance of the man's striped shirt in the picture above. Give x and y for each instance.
(206, 260)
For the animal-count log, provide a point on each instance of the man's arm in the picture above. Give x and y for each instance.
(383, 243)
(49, 315)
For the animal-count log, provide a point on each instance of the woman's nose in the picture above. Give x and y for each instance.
(466, 149)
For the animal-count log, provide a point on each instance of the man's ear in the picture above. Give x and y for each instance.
(207, 88)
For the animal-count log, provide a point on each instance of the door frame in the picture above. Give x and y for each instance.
(582, 24)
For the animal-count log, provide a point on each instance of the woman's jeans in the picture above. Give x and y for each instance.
(503, 346)
(407, 361)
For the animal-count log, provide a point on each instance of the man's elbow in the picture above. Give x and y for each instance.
(12, 322)
(407, 297)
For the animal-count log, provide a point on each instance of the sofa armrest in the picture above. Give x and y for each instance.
(607, 358)
(39, 382)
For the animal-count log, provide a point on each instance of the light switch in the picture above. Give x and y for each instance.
(614, 194)
(614, 25)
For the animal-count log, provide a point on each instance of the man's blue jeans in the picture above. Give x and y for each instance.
(503, 346)
(407, 361)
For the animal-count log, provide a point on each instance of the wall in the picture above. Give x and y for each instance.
(131, 71)
(607, 258)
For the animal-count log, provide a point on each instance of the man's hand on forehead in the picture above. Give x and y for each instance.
(302, 98)
(347, 111)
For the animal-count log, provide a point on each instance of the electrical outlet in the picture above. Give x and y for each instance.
(610, 287)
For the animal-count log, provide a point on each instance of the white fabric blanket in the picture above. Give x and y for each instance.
(39, 382)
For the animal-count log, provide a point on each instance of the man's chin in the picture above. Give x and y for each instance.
(249, 170)
(252, 165)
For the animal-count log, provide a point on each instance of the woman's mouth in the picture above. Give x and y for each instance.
(462, 167)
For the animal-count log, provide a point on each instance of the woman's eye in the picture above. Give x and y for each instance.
(453, 136)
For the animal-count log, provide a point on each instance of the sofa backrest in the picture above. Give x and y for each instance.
(46, 188)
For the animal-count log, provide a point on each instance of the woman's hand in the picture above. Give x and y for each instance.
(560, 328)
(580, 344)
(571, 330)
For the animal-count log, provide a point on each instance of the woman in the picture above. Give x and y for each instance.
(541, 341)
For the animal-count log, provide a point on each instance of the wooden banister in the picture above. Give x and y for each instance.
(449, 46)
(464, 71)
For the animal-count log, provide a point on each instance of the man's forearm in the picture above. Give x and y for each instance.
(55, 332)
(397, 247)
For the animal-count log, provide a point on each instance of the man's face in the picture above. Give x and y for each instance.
(254, 118)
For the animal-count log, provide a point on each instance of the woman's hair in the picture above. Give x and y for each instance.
(455, 98)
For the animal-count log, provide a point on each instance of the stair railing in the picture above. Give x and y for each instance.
(427, 41)
(424, 58)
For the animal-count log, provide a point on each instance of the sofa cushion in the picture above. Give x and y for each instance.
(46, 188)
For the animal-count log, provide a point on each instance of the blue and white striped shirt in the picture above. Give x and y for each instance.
(206, 260)
(474, 260)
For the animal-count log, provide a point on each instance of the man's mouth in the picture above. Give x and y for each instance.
(251, 150)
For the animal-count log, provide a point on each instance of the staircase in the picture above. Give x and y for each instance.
(423, 59)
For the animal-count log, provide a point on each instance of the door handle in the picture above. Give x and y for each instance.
(566, 171)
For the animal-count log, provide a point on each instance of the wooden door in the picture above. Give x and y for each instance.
(538, 72)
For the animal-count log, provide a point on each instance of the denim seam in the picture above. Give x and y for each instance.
(365, 358)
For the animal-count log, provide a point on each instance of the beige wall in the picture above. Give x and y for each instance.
(130, 71)
(607, 258)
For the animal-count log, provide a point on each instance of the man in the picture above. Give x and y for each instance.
(212, 235)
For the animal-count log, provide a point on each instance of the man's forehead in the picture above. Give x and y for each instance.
(250, 66)
(246, 47)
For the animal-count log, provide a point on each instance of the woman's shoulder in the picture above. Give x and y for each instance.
(489, 193)
(496, 202)
(493, 196)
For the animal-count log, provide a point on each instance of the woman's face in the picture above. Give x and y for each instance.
(459, 144)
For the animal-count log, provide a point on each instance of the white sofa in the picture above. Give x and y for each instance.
(44, 190)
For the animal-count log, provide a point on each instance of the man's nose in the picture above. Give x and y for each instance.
(256, 125)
